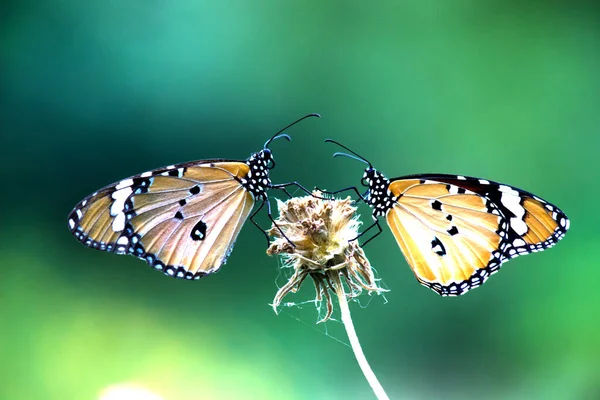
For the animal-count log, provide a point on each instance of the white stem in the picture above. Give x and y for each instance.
(358, 352)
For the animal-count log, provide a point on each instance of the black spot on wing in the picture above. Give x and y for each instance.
(198, 231)
(436, 205)
(438, 247)
(453, 231)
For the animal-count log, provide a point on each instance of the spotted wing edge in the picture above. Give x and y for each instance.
(175, 170)
(506, 249)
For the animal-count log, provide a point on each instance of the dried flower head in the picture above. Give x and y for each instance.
(321, 232)
(314, 237)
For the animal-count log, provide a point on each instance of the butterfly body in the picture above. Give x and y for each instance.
(182, 219)
(456, 231)
(379, 197)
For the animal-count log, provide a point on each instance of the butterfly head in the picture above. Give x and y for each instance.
(257, 179)
(378, 196)
(267, 156)
(369, 176)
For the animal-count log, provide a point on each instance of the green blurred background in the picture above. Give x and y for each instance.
(92, 92)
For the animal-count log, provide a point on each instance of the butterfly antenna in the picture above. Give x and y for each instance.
(279, 135)
(354, 155)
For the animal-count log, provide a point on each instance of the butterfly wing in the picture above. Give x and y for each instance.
(182, 219)
(456, 231)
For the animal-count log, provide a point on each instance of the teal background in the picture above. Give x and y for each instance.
(92, 92)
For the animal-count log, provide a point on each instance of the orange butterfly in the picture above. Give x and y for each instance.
(456, 231)
(182, 219)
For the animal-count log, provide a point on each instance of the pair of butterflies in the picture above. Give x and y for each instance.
(454, 231)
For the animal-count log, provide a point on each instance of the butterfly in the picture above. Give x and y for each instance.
(456, 231)
(182, 219)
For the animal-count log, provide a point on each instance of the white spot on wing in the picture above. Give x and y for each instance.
(72, 223)
(519, 242)
(119, 200)
(518, 226)
(461, 178)
(484, 182)
(512, 203)
(119, 222)
(508, 189)
(124, 183)
(123, 240)
(79, 213)
(146, 174)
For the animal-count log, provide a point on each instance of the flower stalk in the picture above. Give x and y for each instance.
(355, 344)
(315, 238)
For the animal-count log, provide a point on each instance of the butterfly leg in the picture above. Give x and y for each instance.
(264, 232)
(376, 223)
(353, 188)
(257, 225)
(283, 187)
(270, 215)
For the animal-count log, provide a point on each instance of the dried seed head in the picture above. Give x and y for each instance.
(314, 237)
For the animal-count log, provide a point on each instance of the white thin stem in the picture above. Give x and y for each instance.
(355, 344)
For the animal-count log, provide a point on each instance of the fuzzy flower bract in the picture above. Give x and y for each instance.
(315, 237)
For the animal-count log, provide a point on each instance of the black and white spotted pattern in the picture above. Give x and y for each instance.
(121, 210)
(257, 180)
(379, 197)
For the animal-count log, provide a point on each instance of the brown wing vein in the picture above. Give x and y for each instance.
(216, 204)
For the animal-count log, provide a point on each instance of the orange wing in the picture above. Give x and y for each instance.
(183, 219)
(456, 231)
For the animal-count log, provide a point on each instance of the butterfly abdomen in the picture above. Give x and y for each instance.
(182, 219)
(456, 231)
